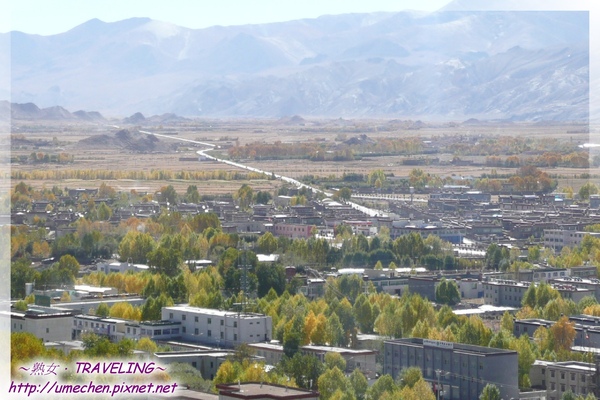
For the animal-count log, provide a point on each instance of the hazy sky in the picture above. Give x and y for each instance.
(47, 17)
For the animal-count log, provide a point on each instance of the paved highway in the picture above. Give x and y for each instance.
(204, 153)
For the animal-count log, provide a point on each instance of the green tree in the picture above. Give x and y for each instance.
(359, 383)
(263, 197)
(490, 392)
(331, 381)
(409, 377)
(267, 243)
(270, 277)
(384, 384)
(168, 194)
(507, 322)
(587, 189)
(166, 260)
(103, 310)
(104, 212)
(344, 194)
(335, 360)
(192, 195)
(447, 292)
(305, 369)
(186, 375)
(244, 196)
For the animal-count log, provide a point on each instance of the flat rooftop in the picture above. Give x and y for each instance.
(212, 311)
(251, 389)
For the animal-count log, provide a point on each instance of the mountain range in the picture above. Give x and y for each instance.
(526, 65)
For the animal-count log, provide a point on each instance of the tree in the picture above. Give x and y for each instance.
(331, 381)
(146, 344)
(409, 376)
(244, 196)
(563, 332)
(103, 310)
(587, 189)
(507, 321)
(419, 391)
(165, 260)
(304, 369)
(104, 212)
(384, 384)
(335, 360)
(263, 197)
(490, 392)
(270, 277)
(188, 376)
(168, 194)
(23, 347)
(344, 194)
(69, 263)
(292, 337)
(335, 331)
(359, 383)
(192, 195)
(447, 292)
(267, 243)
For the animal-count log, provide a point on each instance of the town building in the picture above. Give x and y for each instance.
(460, 371)
(207, 362)
(559, 377)
(263, 391)
(219, 328)
(556, 239)
(363, 359)
(117, 329)
(47, 323)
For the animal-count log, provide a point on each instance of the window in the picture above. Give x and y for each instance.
(209, 334)
(572, 376)
(562, 375)
(543, 371)
(183, 329)
(235, 337)
(562, 387)
(222, 336)
(171, 315)
(196, 332)
(194, 364)
(552, 386)
(582, 378)
(196, 319)
(552, 373)
(183, 317)
(209, 321)
(157, 332)
(235, 324)
(222, 322)
(47, 330)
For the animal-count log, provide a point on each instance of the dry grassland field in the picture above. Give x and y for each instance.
(93, 148)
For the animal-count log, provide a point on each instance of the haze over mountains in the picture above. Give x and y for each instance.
(443, 65)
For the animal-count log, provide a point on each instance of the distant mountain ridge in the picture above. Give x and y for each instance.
(446, 65)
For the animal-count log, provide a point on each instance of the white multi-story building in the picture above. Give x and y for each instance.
(559, 238)
(220, 328)
(117, 329)
(48, 324)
